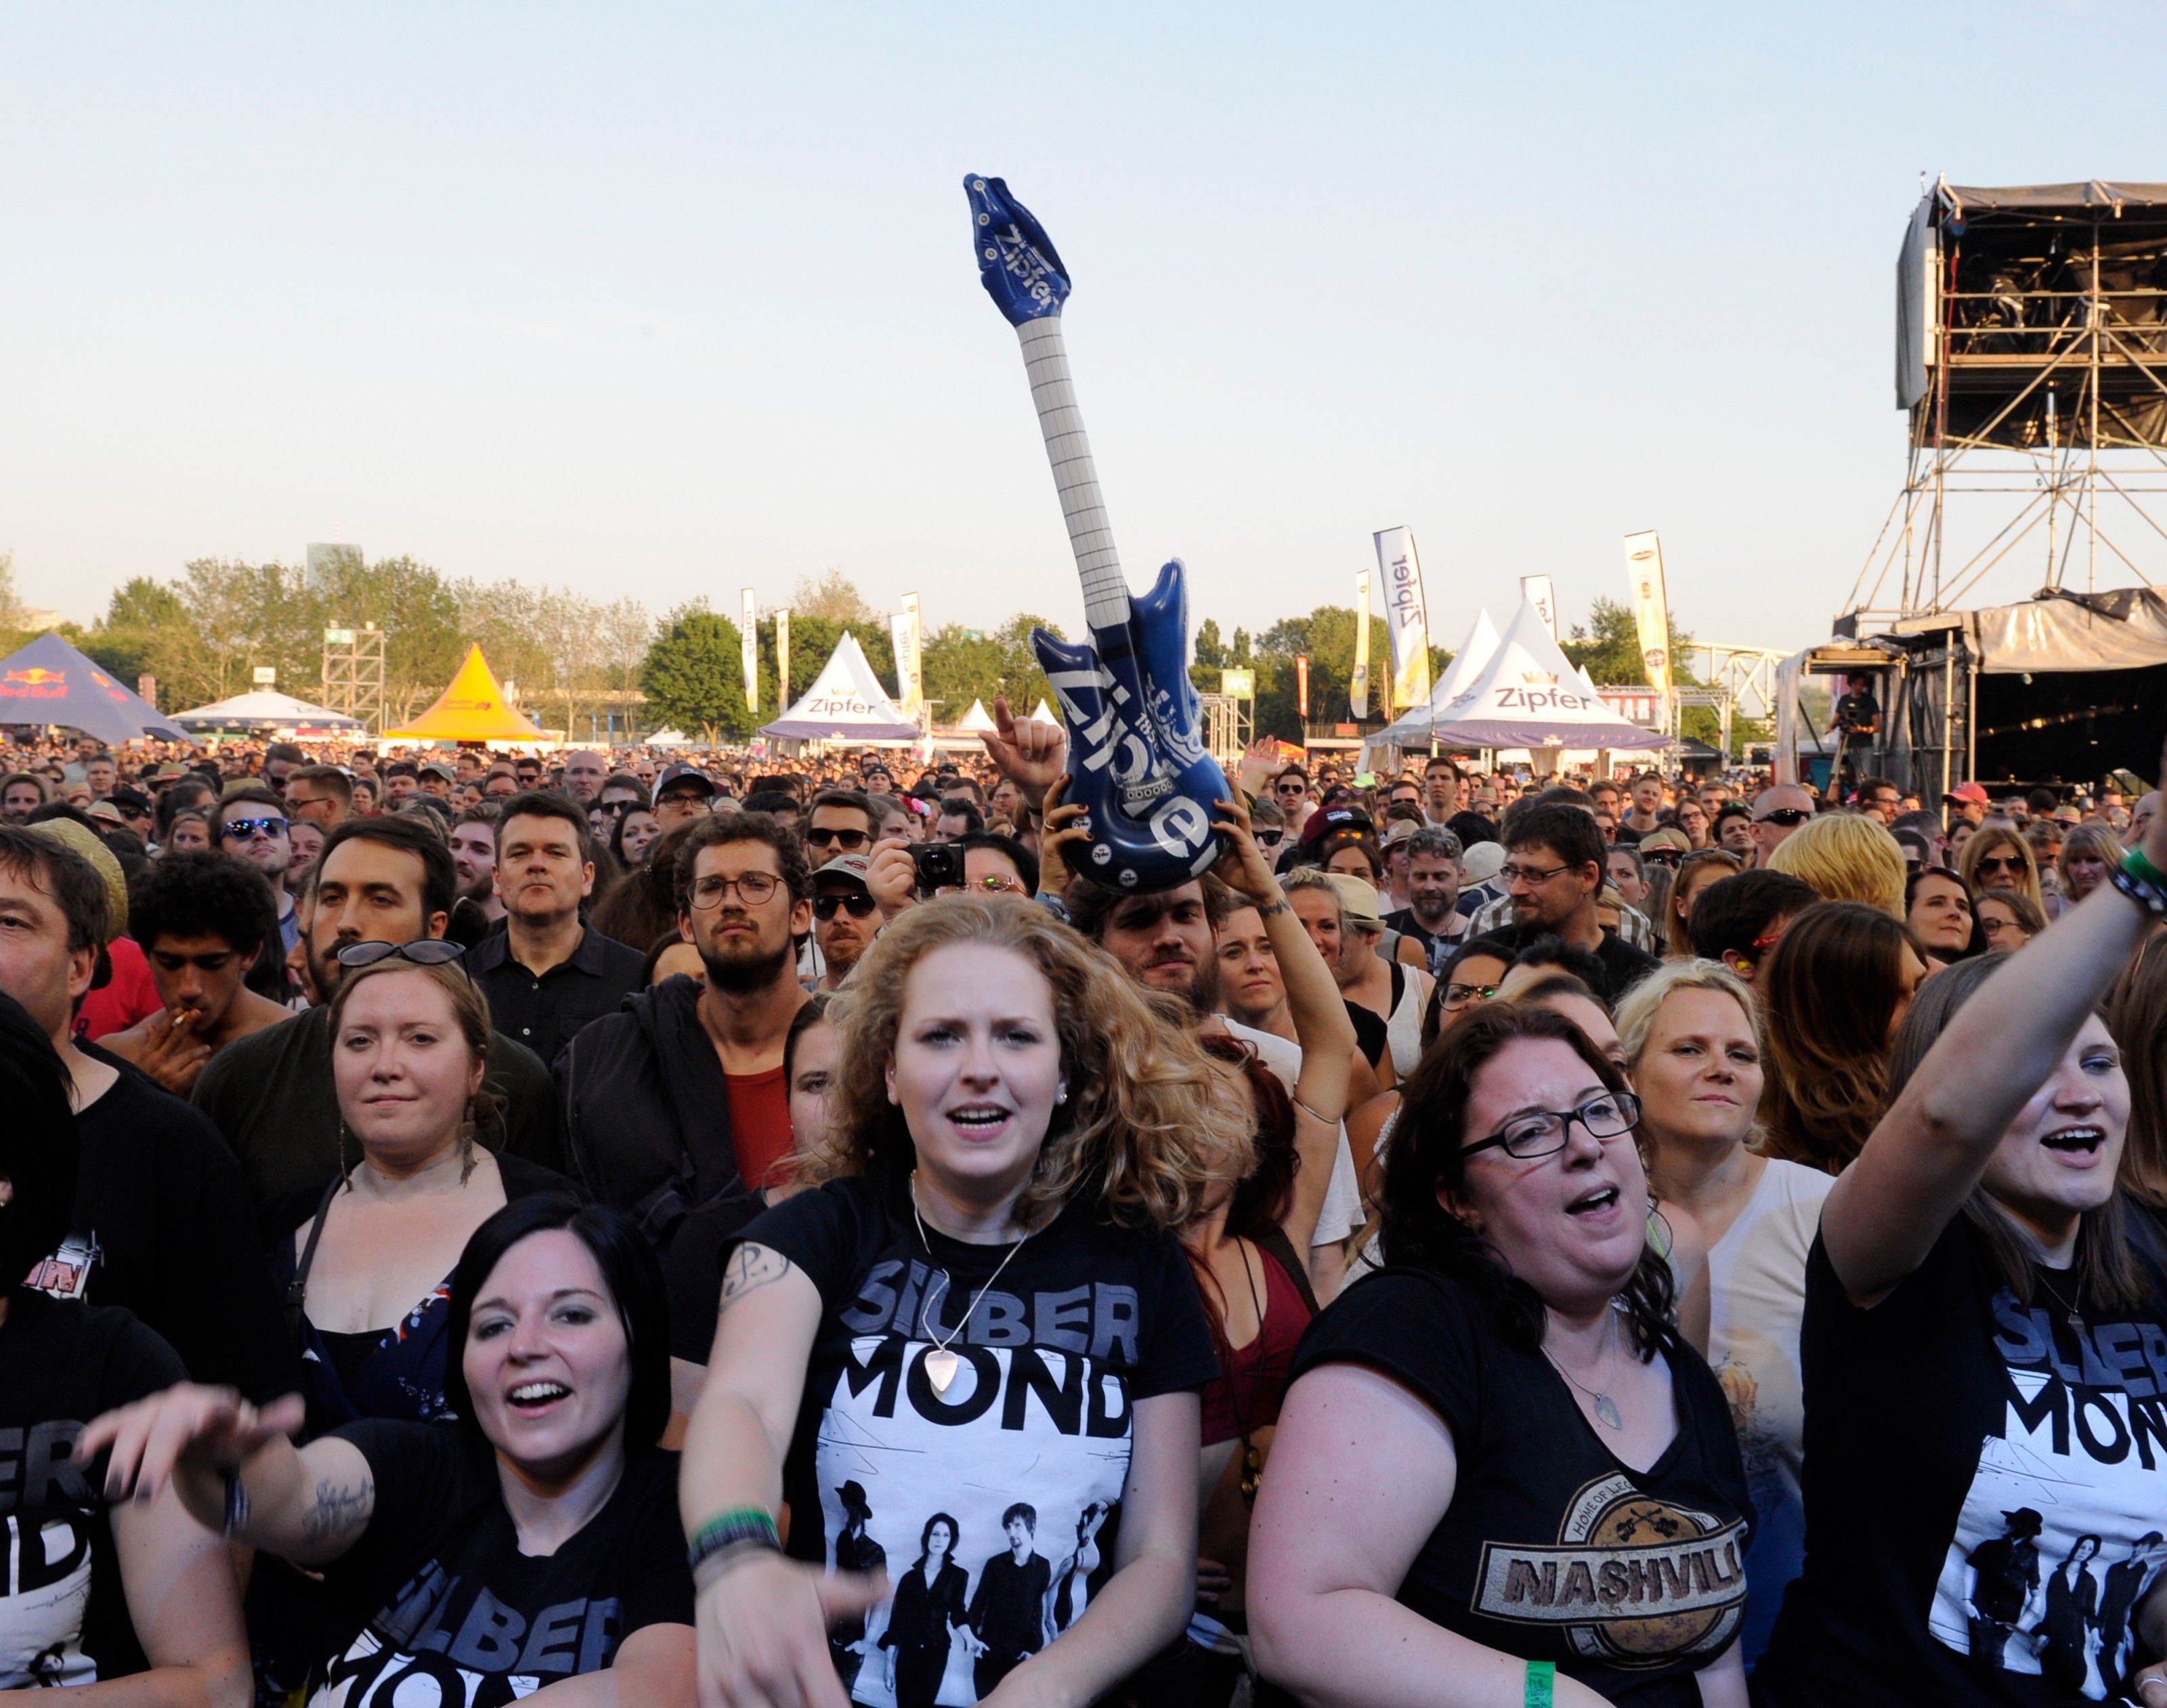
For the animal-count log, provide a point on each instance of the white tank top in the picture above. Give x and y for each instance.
(1403, 1026)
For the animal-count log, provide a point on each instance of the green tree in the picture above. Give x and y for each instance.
(694, 676)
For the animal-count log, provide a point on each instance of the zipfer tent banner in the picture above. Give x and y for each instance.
(846, 702)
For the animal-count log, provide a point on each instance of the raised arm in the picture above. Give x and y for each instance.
(306, 1505)
(761, 1619)
(1932, 1147)
(1319, 1014)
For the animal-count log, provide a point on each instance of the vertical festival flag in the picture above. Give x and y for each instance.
(1301, 686)
(1407, 614)
(1358, 689)
(1539, 592)
(1651, 613)
(782, 661)
(909, 677)
(749, 640)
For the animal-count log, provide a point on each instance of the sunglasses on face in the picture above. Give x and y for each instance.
(426, 952)
(1455, 995)
(1270, 839)
(240, 829)
(850, 842)
(1790, 817)
(2000, 863)
(857, 904)
(1671, 857)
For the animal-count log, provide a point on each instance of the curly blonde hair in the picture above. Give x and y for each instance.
(1148, 1124)
(1846, 856)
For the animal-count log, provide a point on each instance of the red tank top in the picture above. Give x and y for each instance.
(1250, 1390)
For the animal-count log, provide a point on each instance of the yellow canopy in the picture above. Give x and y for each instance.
(473, 708)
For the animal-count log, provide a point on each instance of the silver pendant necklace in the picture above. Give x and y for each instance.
(2075, 1314)
(941, 1364)
(1606, 1408)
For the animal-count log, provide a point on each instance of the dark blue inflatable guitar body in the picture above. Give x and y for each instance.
(1136, 761)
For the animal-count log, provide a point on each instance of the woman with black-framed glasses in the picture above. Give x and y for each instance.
(1486, 1445)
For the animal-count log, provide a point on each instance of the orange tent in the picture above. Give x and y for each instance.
(471, 709)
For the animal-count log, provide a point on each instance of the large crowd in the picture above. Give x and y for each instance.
(775, 1233)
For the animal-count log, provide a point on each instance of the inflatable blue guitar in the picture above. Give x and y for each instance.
(1136, 760)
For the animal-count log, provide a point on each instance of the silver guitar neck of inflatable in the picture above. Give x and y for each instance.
(1046, 359)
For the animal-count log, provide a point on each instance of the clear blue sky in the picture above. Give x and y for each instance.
(671, 300)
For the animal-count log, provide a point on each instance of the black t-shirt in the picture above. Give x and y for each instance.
(691, 1272)
(449, 1612)
(1622, 965)
(1961, 1449)
(1857, 712)
(63, 1613)
(1369, 1034)
(1552, 1549)
(542, 1013)
(1088, 1318)
(164, 1227)
(272, 1099)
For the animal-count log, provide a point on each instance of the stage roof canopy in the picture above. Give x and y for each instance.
(264, 709)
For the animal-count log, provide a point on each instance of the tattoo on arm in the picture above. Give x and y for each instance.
(749, 1268)
(1266, 910)
(341, 1511)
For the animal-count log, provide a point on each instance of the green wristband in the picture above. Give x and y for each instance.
(1542, 1679)
(725, 1530)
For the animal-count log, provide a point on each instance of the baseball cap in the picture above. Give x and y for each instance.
(1972, 794)
(673, 774)
(131, 800)
(844, 872)
(1335, 823)
(437, 768)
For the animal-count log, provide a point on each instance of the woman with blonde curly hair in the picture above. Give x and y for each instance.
(1846, 856)
(1692, 1044)
(980, 1311)
(1999, 858)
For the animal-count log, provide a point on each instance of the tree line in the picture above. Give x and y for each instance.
(204, 633)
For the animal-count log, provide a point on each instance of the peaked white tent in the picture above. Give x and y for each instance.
(1412, 727)
(1043, 712)
(846, 702)
(977, 719)
(1527, 696)
(264, 709)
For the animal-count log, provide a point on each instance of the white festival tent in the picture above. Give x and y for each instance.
(264, 709)
(1527, 696)
(1412, 727)
(977, 719)
(1043, 712)
(845, 703)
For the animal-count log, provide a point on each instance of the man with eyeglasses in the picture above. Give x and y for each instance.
(252, 823)
(1880, 798)
(1777, 813)
(682, 793)
(1553, 873)
(545, 972)
(678, 1099)
(383, 880)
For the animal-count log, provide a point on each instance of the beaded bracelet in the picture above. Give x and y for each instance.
(727, 1530)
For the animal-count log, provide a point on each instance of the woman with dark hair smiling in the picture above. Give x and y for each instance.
(534, 1543)
(1485, 1444)
(1985, 1340)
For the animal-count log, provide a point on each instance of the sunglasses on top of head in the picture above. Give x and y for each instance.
(424, 951)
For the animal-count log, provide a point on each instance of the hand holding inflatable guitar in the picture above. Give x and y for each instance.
(1137, 764)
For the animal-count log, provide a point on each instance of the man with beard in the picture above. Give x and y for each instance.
(845, 917)
(1553, 873)
(1432, 916)
(1169, 943)
(678, 1099)
(387, 880)
(473, 858)
(252, 825)
(547, 973)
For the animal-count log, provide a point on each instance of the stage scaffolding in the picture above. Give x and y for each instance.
(2031, 358)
